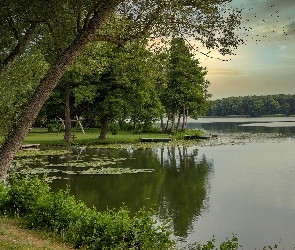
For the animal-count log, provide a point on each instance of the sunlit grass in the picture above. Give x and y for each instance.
(42, 136)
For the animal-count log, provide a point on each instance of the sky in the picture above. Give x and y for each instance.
(262, 67)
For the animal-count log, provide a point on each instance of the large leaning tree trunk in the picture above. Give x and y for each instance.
(48, 83)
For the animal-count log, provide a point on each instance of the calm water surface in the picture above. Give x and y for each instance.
(246, 189)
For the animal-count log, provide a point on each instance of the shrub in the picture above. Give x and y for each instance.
(180, 135)
(3, 196)
(114, 128)
(60, 213)
(50, 127)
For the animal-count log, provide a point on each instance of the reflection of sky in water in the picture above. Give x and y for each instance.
(252, 194)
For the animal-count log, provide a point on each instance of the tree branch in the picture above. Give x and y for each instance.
(12, 26)
(79, 17)
(19, 48)
(93, 8)
(113, 39)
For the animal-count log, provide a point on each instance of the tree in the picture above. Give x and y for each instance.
(125, 88)
(186, 92)
(72, 25)
(253, 105)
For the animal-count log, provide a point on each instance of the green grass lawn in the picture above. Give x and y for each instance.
(42, 136)
(45, 138)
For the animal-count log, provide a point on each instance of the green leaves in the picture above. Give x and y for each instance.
(17, 85)
(187, 88)
(77, 224)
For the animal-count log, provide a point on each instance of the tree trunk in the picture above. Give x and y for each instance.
(162, 125)
(134, 125)
(186, 116)
(47, 84)
(167, 124)
(67, 137)
(172, 124)
(104, 130)
(183, 119)
(178, 122)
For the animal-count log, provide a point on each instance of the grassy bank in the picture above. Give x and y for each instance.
(70, 221)
(60, 214)
(14, 236)
(42, 136)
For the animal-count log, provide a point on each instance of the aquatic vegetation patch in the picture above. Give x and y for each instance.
(115, 171)
(34, 164)
(30, 153)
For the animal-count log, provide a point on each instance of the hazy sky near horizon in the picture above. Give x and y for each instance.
(262, 67)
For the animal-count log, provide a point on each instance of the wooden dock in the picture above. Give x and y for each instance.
(30, 146)
(155, 139)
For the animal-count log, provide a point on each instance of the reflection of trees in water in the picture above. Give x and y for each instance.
(178, 187)
(115, 190)
(185, 190)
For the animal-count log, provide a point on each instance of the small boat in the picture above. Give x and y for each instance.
(197, 137)
(155, 139)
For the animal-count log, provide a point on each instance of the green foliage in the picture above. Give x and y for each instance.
(31, 199)
(186, 91)
(3, 195)
(54, 125)
(229, 244)
(255, 106)
(17, 85)
(114, 128)
(181, 134)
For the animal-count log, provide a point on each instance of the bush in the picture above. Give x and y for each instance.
(229, 244)
(114, 128)
(31, 199)
(3, 196)
(50, 127)
(180, 135)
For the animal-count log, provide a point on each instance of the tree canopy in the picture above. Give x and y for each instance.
(186, 92)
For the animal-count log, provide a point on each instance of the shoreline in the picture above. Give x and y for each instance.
(245, 138)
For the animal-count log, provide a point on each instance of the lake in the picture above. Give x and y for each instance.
(245, 187)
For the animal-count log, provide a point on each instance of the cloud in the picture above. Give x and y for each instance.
(267, 20)
(291, 28)
(224, 72)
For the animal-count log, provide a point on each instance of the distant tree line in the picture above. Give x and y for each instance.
(254, 106)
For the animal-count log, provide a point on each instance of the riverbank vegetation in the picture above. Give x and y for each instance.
(90, 137)
(31, 200)
(58, 221)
